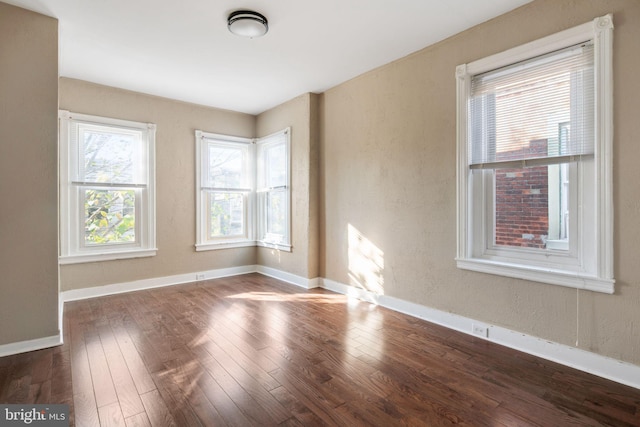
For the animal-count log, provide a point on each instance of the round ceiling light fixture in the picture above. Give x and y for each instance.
(247, 23)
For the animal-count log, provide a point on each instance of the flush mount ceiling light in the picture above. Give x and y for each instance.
(247, 23)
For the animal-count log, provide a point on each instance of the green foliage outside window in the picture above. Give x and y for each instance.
(109, 216)
(226, 214)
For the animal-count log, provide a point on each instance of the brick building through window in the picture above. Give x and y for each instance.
(522, 200)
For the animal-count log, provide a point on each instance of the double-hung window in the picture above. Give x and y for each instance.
(225, 200)
(534, 160)
(107, 193)
(273, 190)
(243, 194)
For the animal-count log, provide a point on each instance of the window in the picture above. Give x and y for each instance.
(225, 193)
(273, 190)
(534, 160)
(243, 192)
(107, 195)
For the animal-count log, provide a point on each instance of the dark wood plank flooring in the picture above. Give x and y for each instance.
(253, 351)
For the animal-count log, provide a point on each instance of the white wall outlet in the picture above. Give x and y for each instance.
(480, 330)
(199, 276)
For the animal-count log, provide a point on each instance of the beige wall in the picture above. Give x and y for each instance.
(175, 182)
(28, 161)
(375, 156)
(388, 181)
(301, 114)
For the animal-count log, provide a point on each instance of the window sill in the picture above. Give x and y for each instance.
(278, 246)
(105, 256)
(543, 275)
(562, 245)
(224, 245)
(200, 247)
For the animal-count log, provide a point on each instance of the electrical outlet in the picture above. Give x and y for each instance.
(199, 276)
(480, 330)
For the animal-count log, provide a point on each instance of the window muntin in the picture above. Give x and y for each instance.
(106, 188)
(534, 125)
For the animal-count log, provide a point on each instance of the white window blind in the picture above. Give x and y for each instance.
(515, 111)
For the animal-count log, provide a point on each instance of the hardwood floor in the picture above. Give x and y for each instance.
(250, 350)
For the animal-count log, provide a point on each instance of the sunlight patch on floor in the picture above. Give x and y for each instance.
(276, 296)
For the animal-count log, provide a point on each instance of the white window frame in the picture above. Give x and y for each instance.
(280, 242)
(203, 242)
(589, 262)
(72, 248)
(256, 205)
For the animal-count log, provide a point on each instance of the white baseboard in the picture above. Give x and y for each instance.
(30, 345)
(156, 282)
(117, 288)
(293, 279)
(602, 366)
(606, 367)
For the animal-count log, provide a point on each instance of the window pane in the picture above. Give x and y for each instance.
(558, 206)
(531, 207)
(227, 167)
(109, 216)
(276, 214)
(109, 157)
(226, 214)
(276, 166)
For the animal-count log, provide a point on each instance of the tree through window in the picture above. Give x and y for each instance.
(107, 180)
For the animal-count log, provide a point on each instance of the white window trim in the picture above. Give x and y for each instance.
(202, 242)
(261, 217)
(71, 253)
(600, 30)
(278, 246)
(254, 224)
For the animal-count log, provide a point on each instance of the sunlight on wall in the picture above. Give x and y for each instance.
(366, 262)
(276, 254)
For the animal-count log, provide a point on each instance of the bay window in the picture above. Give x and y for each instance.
(243, 194)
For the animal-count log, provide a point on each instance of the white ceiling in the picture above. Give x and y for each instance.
(181, 49)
